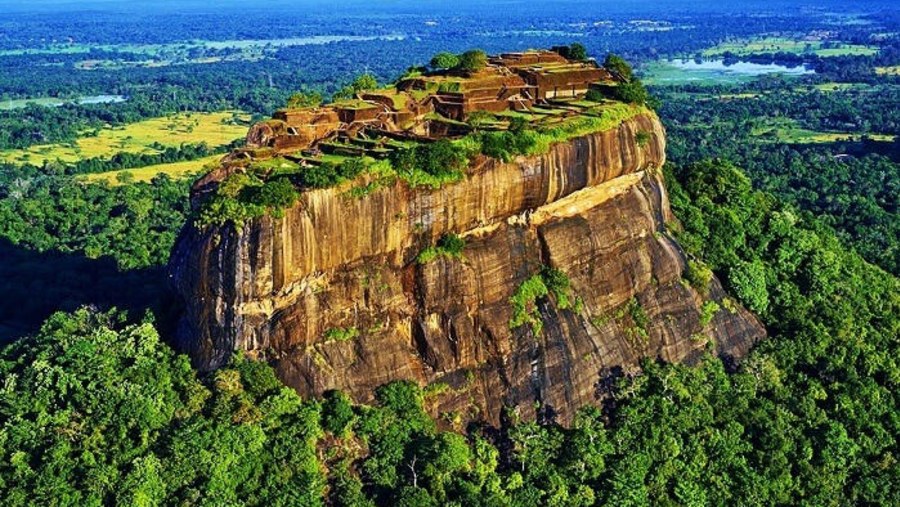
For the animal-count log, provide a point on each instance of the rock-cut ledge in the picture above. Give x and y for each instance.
(332, 296)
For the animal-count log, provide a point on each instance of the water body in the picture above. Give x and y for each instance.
(299, 41)
(716, 71)
(101, 99)
(742, 68)
(55, 102)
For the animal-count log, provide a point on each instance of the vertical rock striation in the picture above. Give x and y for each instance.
(332, 296)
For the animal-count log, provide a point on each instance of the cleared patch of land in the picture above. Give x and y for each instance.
(840, 87)
(711, 72)
(175, 170)
(888, 71)
(787, 130)
(663, 73)
(737, 96)
(215, 129)
(746, 47)
(7, 105)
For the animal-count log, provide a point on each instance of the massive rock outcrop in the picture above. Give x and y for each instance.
(331, 294)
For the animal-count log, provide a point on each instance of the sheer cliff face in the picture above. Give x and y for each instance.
(332, 296)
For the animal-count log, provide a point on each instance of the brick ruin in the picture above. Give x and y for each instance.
(425, 107)
(435, 104)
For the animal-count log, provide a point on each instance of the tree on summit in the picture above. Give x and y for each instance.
(444, 60)
(577, 51)
(362, 83)
(618, 66)
(304, 99)
(472, 61)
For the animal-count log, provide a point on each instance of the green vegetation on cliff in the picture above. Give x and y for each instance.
(431, 164)
(450, 246)
(243, 196)
(468, 62)
(94, 412)
(425, 162)
(258, 191)
(608, 116)
(525, 300)
(341, 334)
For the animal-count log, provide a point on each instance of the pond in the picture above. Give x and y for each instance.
(714, 71)
(56, 102)
(101, 99)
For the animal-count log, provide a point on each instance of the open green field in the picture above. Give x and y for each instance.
(711, 72)
(737, 96)
(888, 71)
(744, 47)
(7, 105)
(176, 170)
(215, 129)
(664, 73)
(840, 87)
(786, 130)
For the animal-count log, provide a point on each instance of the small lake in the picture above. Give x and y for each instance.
(56, 102)
(715, 71)
(101, 99)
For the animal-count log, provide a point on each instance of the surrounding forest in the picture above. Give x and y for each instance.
(786, 187)
(96, 411)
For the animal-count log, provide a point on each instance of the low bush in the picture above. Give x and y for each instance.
(450, 245)
(708, 311)
(699, 276)
(549, 281)
(507, 145)
(472, 61)
(244, 196)
(341, 334)
(275, 194)
(430, 164)
(329, 174)
(444, 60)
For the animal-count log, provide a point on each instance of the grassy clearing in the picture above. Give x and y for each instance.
(888, 71)
(175, 170)
(607, 117)
(662, 73)
(745, 47)
(215, 129)
(786, 130)
(737, 96)
(8, 105)
(840, 87)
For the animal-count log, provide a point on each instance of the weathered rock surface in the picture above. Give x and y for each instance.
(594, 208)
